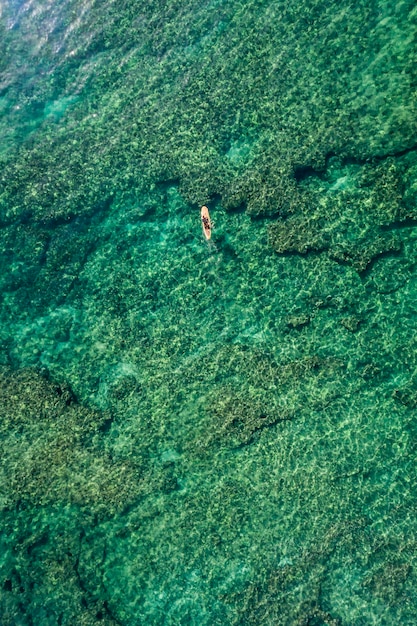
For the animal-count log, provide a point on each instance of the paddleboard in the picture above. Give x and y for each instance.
(206, 222)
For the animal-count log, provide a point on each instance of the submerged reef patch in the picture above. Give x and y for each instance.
(354, 212)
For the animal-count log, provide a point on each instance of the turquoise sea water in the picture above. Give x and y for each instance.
(199, 433)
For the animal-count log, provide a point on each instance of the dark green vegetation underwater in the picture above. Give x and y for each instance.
(194, 434)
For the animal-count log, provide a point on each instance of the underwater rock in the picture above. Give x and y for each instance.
(351, 323)
(364, 251)
(298, 321)
(57, 456)
(387, 581)
(237, 418)
(58, 482)
(406, 395)
(299, 234)
(274, 394)
(350, 214)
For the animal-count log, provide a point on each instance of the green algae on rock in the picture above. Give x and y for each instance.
(57, 456)
(353, 212)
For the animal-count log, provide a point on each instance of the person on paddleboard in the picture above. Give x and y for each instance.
(206, 222)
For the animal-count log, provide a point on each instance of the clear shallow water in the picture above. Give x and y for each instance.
(197, 434)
